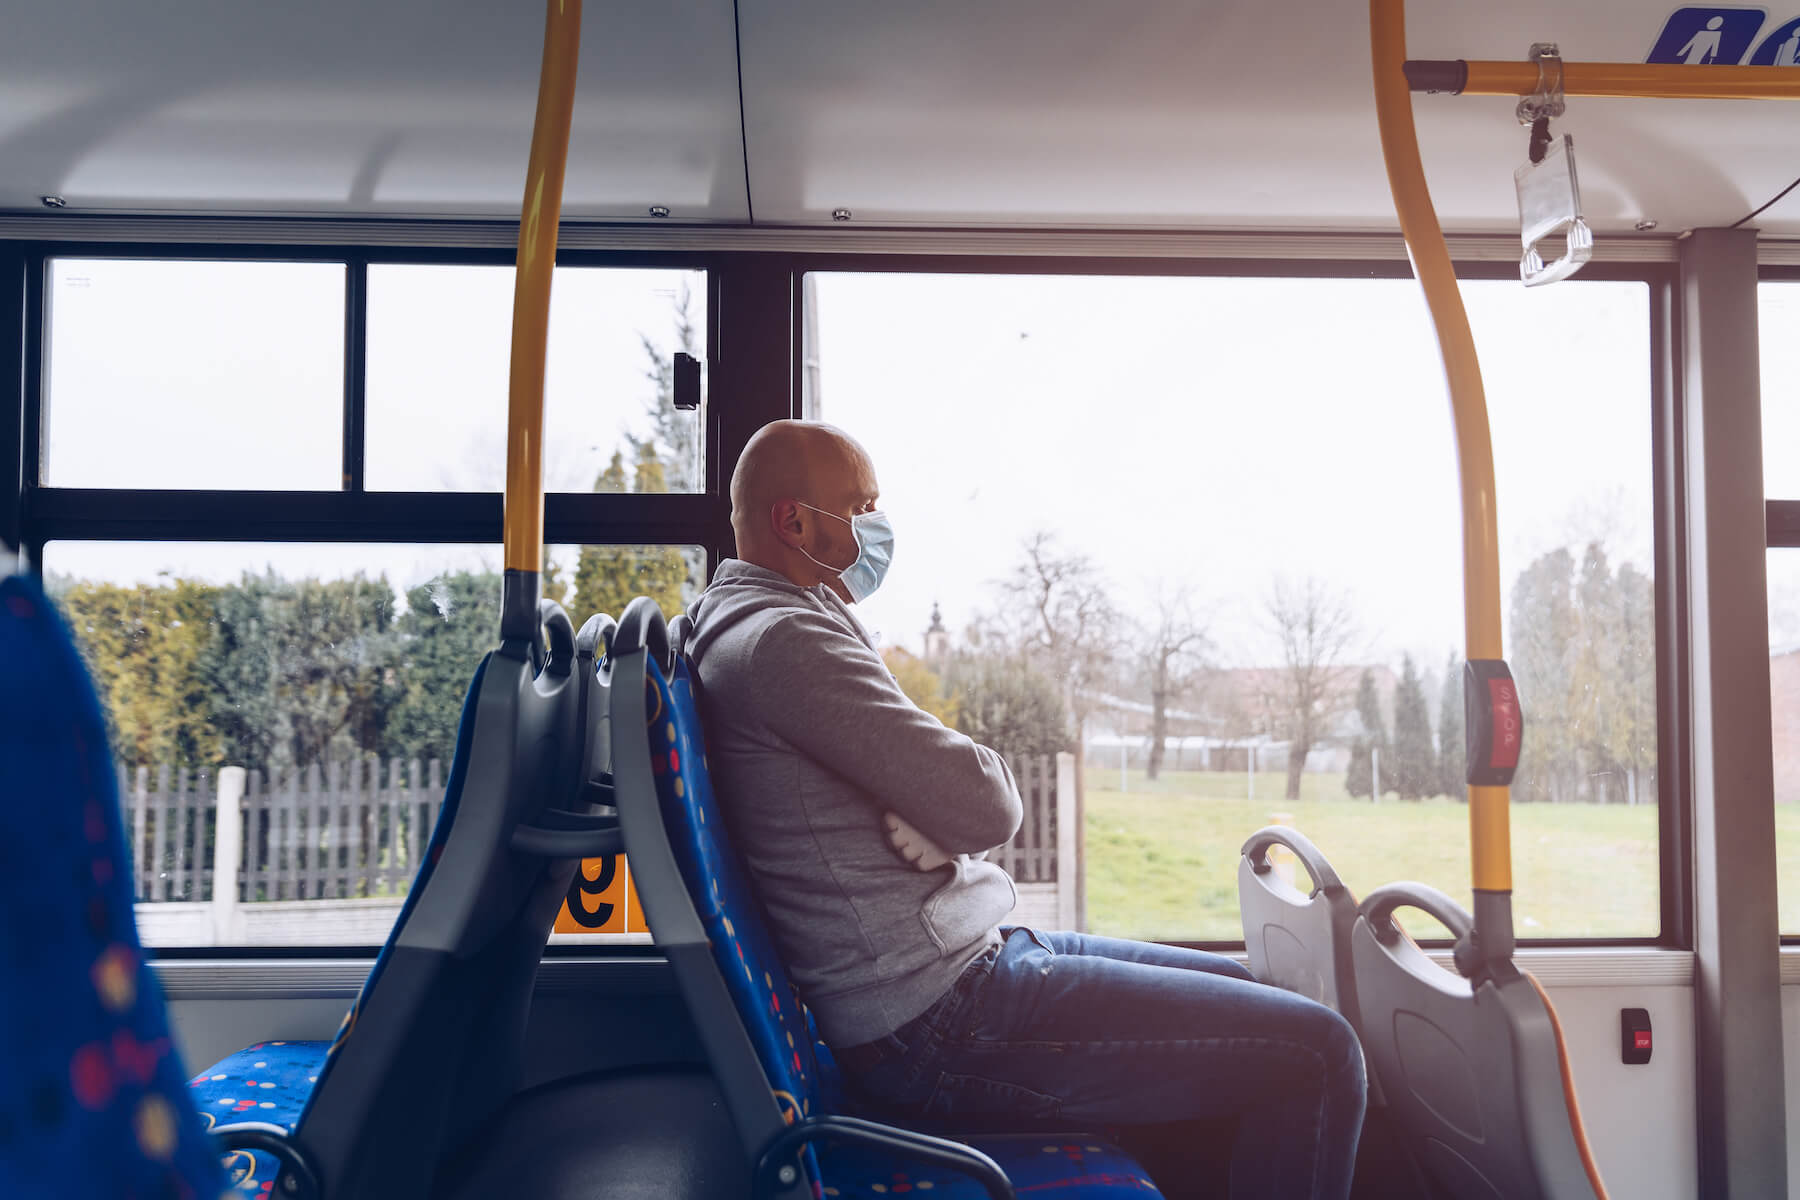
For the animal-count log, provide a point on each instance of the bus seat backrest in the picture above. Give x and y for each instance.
(779, 1027)
(434, 1045)
(93, 1099)
(440, 832)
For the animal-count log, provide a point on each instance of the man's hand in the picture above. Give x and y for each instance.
(912, 845)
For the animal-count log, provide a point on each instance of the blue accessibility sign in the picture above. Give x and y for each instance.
(1781, 48)
(1702, 36)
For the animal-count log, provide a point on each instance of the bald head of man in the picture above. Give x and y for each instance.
(787, 467)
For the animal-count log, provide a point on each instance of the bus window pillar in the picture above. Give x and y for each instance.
(1737, 985)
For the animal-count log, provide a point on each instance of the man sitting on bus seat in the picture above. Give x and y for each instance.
(864, 822)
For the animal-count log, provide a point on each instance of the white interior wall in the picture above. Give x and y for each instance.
(1640, 1120)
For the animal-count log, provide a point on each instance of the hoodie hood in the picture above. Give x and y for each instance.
(740, 589)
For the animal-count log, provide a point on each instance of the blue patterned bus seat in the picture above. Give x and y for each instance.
(798, 1065)
(91, 1098)
(275, 1081)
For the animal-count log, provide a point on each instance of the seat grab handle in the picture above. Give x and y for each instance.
(1379, 905)
(1257, 851)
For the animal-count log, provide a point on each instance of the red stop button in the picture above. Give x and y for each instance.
(1503, 700)
(1634, 1036)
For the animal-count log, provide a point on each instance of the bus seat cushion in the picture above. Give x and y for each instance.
(267, 1082)
(91, 1099)
(1062, 1165)
(765, 998)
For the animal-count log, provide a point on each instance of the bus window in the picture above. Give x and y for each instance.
(438, 353)
(1778, 305)
(1201, 534)
(330, 676)
(183, 374)
(1784, 719)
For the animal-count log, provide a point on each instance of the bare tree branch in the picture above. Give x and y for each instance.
(1174, 650)
(1316, 628)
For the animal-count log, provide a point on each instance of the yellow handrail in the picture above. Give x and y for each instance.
(1641, 80)
(1489, 832)
(538, 220)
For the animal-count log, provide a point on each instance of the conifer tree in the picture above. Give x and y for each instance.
(608, 577)
(145, 646)
(1452, 751)
(1359, 777)
(1546, 635)
(676, 432)
(1415, 760)
(449, 623)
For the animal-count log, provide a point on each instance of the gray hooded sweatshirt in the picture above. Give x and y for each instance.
(811, 742)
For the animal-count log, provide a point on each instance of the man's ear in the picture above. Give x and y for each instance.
(786, 523)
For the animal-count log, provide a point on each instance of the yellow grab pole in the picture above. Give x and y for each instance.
(1640, 80)
(1489, 833)
(538, 219)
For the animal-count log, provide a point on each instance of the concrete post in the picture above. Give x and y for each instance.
(228, 854)
(1066, 867)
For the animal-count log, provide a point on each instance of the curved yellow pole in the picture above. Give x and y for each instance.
(1489, 832)
(538, 219)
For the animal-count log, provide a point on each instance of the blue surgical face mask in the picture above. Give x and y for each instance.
(874, 552)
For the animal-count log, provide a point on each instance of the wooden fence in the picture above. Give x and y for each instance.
(344, 831)
(353, 833)
(1031, 855)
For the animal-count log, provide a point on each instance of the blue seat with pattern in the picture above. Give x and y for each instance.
(778, 1079)
(277, 1081)
(432, 1049)
(88, 1066)
(91, 1095)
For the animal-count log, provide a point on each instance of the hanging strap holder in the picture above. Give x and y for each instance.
(1547, 102)
(1548, 190)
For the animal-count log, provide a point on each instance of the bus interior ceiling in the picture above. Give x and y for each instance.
(1046, 128)
(1059, 115)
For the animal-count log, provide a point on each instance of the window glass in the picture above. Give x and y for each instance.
(1778, 327)
(333, 675)
(438, 355)
(1784, 718)
(1222, 514)
(176, 374)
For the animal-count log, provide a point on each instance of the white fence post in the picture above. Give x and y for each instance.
(228, 854)
(1065, 841)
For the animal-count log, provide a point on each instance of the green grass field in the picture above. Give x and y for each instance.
(1162, 856)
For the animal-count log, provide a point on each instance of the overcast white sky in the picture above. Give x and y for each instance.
(1218, 432)
(1206, 432)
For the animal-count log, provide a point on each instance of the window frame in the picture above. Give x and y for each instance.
(350, 513)
(1782, 519)
(1668, 548)
(34, 513)
(755, 323)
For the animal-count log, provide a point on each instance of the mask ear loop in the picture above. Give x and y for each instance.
(837, 571)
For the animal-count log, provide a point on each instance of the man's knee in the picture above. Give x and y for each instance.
(1329, 1036)
(1340, 1047)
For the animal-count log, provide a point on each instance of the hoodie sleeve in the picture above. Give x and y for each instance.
(832, 697)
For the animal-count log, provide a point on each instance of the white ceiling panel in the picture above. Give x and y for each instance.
(1208, 115)
(383, 109)
(1187, 114)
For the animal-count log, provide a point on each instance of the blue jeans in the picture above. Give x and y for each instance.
(1066, 1030)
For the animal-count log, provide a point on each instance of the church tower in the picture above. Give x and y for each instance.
(937, 638)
